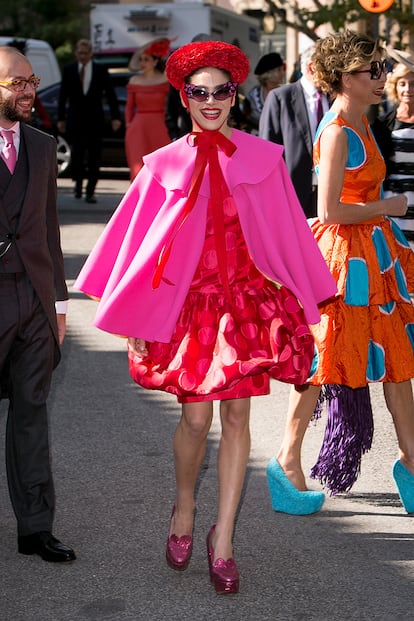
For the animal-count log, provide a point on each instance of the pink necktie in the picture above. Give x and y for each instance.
(8, 153)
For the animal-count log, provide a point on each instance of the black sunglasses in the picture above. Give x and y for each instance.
(378, 67)
(201, 94)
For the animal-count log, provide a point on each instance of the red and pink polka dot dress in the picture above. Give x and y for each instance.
(229, 341)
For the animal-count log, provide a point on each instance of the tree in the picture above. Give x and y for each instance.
(60, 23)
(338, 13)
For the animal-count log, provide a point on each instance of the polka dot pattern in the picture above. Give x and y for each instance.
(237, 344)
(225, 349)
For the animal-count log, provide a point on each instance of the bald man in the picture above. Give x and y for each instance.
(32, 310)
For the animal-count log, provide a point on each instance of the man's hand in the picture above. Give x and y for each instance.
(116, 124)
(61, 322)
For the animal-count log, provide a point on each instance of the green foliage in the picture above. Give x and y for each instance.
(60, 22)
(403, 16)
(338, 13)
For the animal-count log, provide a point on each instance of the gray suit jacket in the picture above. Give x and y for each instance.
(37, 236)
(285, 120)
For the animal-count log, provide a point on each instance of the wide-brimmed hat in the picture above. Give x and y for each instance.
(403, 57)
(159, 47)
(192, 56)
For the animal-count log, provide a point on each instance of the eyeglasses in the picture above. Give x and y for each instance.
(19, 84)
(201, 94)
(5, 247)
(376, 70)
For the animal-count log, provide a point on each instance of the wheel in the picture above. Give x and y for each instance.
(63, 156)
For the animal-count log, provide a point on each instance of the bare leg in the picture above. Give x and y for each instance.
(302, 401)
(233, 456)
(400, 403)
(189, 449)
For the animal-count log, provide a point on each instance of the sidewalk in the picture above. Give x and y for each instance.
(109, 192)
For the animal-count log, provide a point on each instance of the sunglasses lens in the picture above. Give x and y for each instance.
(377, 69)
(199, 94)
(222, 93)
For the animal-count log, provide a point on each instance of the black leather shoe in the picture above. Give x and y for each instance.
(91, 199)
(47, 546)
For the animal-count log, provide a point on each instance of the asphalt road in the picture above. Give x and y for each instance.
(114, 480)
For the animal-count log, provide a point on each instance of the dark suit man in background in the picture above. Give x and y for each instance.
(177, 119)
(290, 116)
(33, 300)
(81, 116)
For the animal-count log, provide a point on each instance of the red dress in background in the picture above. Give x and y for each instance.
(145, 119)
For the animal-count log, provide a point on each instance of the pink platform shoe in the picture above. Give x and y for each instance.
(223, 574)
(179, 549)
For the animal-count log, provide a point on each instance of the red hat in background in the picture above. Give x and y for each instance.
(159, 47)
(192, 56)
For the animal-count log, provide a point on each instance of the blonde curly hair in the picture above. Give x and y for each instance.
(342, 52)
(398, 72)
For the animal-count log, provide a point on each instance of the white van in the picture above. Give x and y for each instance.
(41, 57)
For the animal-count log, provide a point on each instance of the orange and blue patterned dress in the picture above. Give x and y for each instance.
(366, 333)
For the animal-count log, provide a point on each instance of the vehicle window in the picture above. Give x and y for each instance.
(121, 93)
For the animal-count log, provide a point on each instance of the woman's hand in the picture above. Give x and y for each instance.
(395, 205)
(138, 346)
(334, 154)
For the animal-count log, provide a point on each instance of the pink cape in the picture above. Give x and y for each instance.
(121, 266)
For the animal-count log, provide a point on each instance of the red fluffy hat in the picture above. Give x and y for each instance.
(188, 58)
(159, 48)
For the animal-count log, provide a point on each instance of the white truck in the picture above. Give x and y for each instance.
(118, 29)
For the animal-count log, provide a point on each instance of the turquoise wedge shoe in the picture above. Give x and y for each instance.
(286, 498)
(404, 481)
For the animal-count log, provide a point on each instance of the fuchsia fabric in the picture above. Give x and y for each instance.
(120, 268)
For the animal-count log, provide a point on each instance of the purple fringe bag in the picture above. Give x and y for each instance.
(348, 435)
